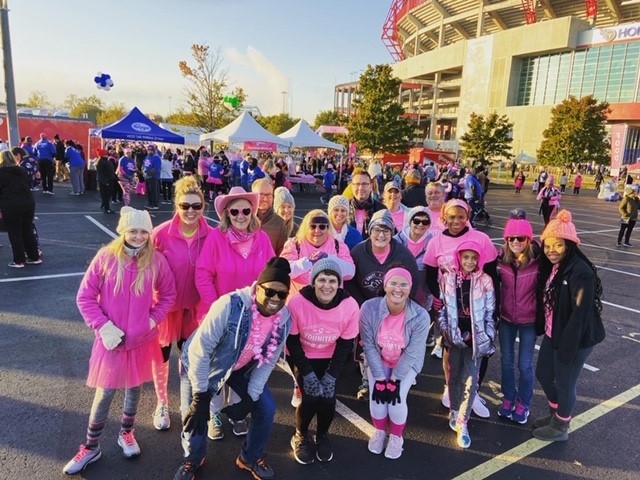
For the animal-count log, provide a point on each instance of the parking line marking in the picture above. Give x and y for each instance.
(100, 226)
(41, 277)
(586, 366)
(355, 419)
(618, 271)
(529, 447)
(620, 306)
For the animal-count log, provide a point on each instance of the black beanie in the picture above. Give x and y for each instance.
(276, 270)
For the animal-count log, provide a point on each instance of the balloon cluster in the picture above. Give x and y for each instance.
(103, 81)
(231, 102)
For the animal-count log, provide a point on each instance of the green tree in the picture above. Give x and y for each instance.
(112, 113)
(277, 124)
(487, 138)
(377, 125)
(38, 99)
(84, 107)
(182, 117)
(333, 118)
(576, 133)
(207, 86)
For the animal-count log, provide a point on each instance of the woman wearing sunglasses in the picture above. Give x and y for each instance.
(232, 257)
(314, 241)
(518, 271)
(180, 240)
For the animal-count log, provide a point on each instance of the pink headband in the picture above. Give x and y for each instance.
(403, 272)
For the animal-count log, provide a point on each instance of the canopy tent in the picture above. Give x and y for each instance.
(191, 134)
(524, 158)
(137, 127)
(243, 129)
(336, 129)
(301, 136)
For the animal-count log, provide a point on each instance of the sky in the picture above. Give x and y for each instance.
(302, 47)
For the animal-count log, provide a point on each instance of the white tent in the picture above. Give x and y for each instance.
(191, 134)
(524, 158)
(301, 136)
(243, 129)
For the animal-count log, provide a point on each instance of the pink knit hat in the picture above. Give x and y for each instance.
(561, 227)
(517, 227)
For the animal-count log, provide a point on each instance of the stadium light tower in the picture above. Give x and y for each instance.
(9, 85)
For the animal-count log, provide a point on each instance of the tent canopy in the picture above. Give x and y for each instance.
(301, 136)
(524, 157)
(243, 129)
(137, 127)
(191, 134)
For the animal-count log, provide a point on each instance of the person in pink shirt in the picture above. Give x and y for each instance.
(180, 239)
(314, 241)
(324, 326)
(232, 257)
(549, 197)
(126, 292)
(391, 199)
(435, 195)
(393, 330)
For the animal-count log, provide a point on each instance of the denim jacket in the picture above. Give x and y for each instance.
(212, 351)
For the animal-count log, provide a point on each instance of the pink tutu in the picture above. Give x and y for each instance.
(179, 325)
(121, 368)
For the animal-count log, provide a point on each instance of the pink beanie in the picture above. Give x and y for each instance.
(403, 272)
(517, 227)
(561, 227)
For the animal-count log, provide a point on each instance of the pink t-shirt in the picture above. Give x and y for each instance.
(382, 256)
(320, 329)
(266, 323)
(361, 216)
(415, 247)
(398, 219)
(390, 339)
(436, 220)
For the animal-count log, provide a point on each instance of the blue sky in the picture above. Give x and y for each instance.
(303, 47)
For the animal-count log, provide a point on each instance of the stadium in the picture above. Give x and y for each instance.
(519, 58)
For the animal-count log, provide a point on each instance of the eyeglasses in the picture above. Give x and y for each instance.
(270, 292)
(380, 231)
(266, 195)
(417, 221)
(363, 184)
(520, 238)
(186, 206)
(234, 212)
(320, 226)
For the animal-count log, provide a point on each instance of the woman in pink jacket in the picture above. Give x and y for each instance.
(127, 290)
(232, 257)
(180, 239)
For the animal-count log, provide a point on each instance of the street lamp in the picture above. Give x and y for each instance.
(169, 105)
(10, 88)
(284, 100)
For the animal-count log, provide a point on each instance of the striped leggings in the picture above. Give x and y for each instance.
(100, 411)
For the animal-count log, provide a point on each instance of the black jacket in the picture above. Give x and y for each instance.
(414, 196)
(15, 193)
(576, 322)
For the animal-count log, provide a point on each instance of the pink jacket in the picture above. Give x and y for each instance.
(98, 302)
(182, 257)
(220, 269)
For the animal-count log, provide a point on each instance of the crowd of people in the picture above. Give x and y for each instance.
(378, 280)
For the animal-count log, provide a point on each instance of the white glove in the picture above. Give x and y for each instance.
(111, 335)
(152, 324)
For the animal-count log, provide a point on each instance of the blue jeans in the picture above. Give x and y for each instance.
(507, 334)
(262, 414)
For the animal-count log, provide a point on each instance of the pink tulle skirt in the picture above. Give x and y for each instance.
(120, 368)
(179, 325)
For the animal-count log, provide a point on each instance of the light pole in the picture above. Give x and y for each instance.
(9, 85)
(169, 105)
(284, 100)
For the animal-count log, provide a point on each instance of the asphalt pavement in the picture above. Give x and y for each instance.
(45, 348)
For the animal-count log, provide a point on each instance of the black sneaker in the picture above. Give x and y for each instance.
(303, 449)
(324, 452)
(187, 470)
(259, 469)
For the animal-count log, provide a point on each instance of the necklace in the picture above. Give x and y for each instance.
(256, 338)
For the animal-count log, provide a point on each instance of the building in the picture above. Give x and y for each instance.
(519, 58)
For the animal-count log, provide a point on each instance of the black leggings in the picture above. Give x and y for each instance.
(628, 228)
(323, 409)
(166, 350)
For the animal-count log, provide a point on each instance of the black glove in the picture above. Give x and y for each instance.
(379, 393)
(311, 385)
(328, 383)
(196, 420)
(240, 410)
(393, 392)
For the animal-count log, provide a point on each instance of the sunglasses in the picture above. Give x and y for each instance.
(520, 238)
(417, 221)
(321, 226)
(270, 292)
(186, 206)
(234, 212)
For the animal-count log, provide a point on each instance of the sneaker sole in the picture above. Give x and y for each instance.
(133, 455)
(324, 460)
(215, 438)
(293, 448)
(243, 466)
(94, 459)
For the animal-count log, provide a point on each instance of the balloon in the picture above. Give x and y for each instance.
(103, 81)
(231, 102)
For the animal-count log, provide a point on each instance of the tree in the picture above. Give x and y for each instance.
(377, 125)
(84, 107)
(182, 117)
(277, 124)
(113, 113)
(333, 118)
(487, 138)
(38, 99)
(208, 84)
(576, 133)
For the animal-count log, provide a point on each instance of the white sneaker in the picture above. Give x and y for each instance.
(215, 431)
(453, 418)
(462, 437)
(296, 397)
(84, 457)
(445, 398)
(437, 351)
(127, 441)
(394, 447)
(376, 442)
(480, 408)
(161, 419)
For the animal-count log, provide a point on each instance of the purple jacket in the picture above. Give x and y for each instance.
(518, 292)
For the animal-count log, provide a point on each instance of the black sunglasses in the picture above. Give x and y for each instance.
(321, 226)
(520, 238)
(270, 292)
(186, 206)
(417, 221)
(234, 212)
